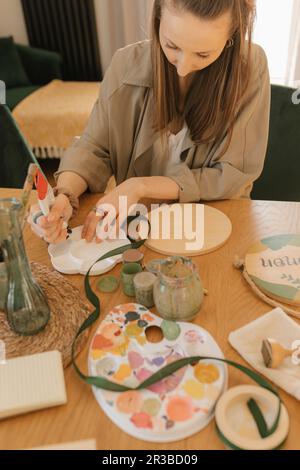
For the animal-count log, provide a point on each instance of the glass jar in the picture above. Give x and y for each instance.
(143, 286)
(178, 292)
(25, 305)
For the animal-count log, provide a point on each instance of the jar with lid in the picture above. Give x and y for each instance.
(178, 292)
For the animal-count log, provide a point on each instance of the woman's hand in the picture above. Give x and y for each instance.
(51, 228)
(133, 189)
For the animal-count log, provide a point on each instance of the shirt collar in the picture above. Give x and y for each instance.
(140, 72)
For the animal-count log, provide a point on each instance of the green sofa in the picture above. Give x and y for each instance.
(280, 179)
(14, 153)
(25, 69)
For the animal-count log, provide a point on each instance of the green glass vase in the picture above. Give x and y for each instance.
(24, 303)
(3, 281)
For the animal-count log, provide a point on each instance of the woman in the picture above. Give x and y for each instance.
(183, 117)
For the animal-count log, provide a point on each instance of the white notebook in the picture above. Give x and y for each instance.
(31, 383)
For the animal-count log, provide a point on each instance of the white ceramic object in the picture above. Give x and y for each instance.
(75, 255)
(174, 408)
(237, 425)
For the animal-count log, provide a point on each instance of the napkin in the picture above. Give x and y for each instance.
(248, 341)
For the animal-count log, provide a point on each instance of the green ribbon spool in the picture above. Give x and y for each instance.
(102, 383)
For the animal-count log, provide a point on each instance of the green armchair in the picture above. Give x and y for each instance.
(25, 69)
(14, 153)
(280, 179)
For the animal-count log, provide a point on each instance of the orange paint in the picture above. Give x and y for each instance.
(129, 402)
(142, 420)
(180, 409)
(147, 317)
(100, 342)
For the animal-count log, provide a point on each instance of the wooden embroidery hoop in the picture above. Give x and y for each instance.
(217, 230)
(252, 271)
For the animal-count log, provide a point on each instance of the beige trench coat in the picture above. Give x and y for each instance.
(119, 136)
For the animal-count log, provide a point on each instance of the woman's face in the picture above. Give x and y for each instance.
(191, 43)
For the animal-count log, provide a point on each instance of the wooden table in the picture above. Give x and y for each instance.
(229, 305)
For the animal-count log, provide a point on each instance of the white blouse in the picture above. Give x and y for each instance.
(163, 158)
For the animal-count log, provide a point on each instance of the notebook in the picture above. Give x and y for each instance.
(87, 444)
(31, 383)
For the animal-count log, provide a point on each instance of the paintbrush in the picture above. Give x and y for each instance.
(45, 204)
(27, 188)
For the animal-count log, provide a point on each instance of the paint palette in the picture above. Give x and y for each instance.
(174, 408)
(75, 255)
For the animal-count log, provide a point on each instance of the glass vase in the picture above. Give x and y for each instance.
(3, 281)
(24, 303)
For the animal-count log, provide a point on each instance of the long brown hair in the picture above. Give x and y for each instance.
(213, 98)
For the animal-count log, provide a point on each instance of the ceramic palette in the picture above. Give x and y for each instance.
(75, 255)
(174, 408)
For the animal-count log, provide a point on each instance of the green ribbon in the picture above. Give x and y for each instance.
(103, 383)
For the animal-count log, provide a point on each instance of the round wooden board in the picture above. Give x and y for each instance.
(274, 266)
(217, 229)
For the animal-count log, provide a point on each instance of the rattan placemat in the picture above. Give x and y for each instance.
(68, 311)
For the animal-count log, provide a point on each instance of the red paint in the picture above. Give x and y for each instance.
(41, 185)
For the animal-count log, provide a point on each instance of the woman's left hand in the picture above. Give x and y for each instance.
(133, 189)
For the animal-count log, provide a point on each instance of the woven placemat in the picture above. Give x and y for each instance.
(68, 311)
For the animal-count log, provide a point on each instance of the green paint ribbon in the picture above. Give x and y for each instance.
(105, 384)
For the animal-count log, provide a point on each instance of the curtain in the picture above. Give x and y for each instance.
(293, 69)
(67, 27)
(121, 22)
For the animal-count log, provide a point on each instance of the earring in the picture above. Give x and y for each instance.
(230, 43)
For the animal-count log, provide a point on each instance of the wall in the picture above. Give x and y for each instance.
(293, 72)
(12, 21)
(121, 22)
(273, 33)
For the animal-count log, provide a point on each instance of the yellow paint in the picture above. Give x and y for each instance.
(141, 340)
(194, 389)
(97, 354)
(133, 329)
(122, 373)
(206, 373)
(121, 349)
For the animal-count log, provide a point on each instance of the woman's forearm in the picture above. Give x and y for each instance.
(73, 182)
(152, 187)
(160, 187)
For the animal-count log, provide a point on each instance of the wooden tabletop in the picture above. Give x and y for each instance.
(229, 305)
